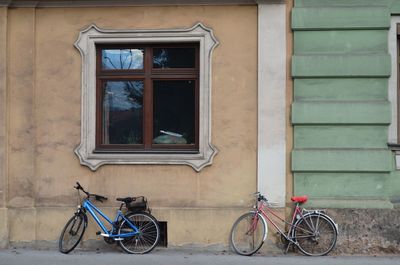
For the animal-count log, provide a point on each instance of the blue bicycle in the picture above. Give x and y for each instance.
(135, 232)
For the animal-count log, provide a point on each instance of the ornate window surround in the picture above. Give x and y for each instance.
(86, 44)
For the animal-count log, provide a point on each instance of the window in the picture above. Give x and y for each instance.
(146, 97)
(394, 87)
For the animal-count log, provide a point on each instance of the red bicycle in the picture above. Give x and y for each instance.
(313, 232)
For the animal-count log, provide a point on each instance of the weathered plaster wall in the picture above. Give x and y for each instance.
(21, 123)
(289, 101)
(44, 113)
(3, 127)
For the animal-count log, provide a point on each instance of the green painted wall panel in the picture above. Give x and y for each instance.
(360, 65)
(340, 136)
(343, 41)
(341, 89)
(395, 7)
(362, 17)
(394, 184)
(350, 202)
(342, 160)
(331, 185)
(341, 112)
(349, 3)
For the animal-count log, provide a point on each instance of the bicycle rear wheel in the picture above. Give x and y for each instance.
(248, 234)
(147, 238)
(72, 233)
(315, 234)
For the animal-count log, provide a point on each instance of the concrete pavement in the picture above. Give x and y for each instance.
(163, 256)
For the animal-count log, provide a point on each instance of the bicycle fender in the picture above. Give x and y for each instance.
(317, 212)
(265, 224)
(85, 218)
(329, 218)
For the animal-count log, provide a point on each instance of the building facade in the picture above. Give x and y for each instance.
(287, 98)
(345, 112)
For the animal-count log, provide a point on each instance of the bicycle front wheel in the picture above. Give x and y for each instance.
(148, 235)
(72, 233)
(248, 234)
(315, 234)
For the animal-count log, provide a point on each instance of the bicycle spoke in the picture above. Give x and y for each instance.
(146, 226)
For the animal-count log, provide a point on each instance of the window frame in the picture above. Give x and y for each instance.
(393, 82)
(394, 87)
(92, 37)
(148, 74)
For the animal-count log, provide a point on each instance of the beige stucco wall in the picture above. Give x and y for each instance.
(43, 124)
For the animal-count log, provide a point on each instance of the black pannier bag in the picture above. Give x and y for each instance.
(138, 204)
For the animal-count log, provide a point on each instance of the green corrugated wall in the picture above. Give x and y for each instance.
(340, 110)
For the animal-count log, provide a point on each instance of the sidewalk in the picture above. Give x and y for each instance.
(163, 256)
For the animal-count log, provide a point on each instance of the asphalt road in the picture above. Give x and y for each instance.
(161, 256)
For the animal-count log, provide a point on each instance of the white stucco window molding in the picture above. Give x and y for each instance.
(86, 43)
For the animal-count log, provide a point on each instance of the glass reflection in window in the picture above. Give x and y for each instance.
(123, 112)
(173, 57)
(174, 112)
(119, 59)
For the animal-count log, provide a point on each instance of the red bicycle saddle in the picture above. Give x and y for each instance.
(299, 199)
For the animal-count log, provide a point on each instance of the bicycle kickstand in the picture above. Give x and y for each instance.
(287, 248)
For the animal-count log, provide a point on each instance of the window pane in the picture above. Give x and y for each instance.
(173, 57)
(123, 112)
(114, 59)
(174, 112)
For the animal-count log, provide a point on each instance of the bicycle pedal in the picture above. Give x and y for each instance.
(118, 238)
(98, 233)
(105, 235)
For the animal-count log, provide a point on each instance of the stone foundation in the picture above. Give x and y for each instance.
(367, 231)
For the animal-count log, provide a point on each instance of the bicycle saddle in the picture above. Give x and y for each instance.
(299, 199)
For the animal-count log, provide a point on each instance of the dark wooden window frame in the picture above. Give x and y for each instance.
(148, 74)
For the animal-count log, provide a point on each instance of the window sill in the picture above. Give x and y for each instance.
(142, 152)
(196, 160)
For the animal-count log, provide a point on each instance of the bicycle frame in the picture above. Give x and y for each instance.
(264, 209)
(92, 209)
(311, 231)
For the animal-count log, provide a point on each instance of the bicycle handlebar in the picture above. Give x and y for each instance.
(79, 187)
(96, 196)
(259, 196)
(99, 197)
